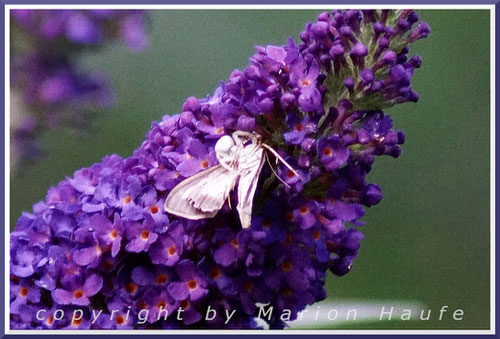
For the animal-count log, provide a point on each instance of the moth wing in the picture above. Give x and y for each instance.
(249, 177)
(202, 195)
(211, 194)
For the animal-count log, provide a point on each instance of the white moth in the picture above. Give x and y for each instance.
(241, 158)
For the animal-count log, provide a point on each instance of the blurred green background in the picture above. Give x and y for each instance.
(427, 241)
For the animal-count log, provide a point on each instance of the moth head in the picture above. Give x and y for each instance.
(224, 144)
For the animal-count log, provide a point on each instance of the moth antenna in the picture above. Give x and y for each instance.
(281, 159)
(276, 174)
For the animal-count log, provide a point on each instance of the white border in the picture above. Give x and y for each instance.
(7, 168)
(492, 173)
(254, 332)
(249, 6)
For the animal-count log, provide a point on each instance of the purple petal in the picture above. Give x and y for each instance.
(198, 293)
(86, 256)
(62, 297)
(22, 271)
(186, 269)
(142, 277)
(178, 290)
(91, 208)
(92, 285)
(136, 245)
(225, 255)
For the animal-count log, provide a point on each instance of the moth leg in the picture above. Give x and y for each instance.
(222, 162)
(275, 174)
(228, 164)
(238, 135)
(280, 158)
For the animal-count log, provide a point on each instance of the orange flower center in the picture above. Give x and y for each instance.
(23, 292)
(131, 288)
(299, 127)
(204, 164)
(161, 305)
(192, 284)
(120, 320)
(303, 209)
(161, 279)
(266, 223)
(154, 209)
(234, 243)
(185, 304)
(215, 273)
(286, 266)
(127, 199)
(327, 151)
(78, 294)
(305, 82)
(247, 286)
(145, 234)
(172, 250)
(289, 216)
(113, 234)
(316, 235)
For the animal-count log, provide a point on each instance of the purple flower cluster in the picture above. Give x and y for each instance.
(44, 74)
(101, 240)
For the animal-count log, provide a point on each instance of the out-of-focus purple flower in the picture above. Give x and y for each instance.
(101, 240)
(133, 32)
(44, 73)
(84, 26)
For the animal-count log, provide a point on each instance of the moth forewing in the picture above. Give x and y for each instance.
(250, 165)
(202, 195)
